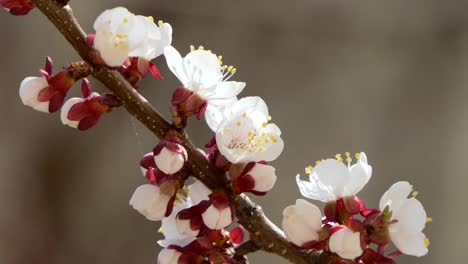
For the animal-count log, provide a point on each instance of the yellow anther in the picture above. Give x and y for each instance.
(273, 138)
(249, 134)
(160, 230)
(209, 51)
(201, 48)
(269, 118)
(267, 140)
(121, 35)
(220, 58)
(228, 129)
(238, 124)
(348, 157)
(357, 155)
(260, 141)
(427, 242)
(414, 193)
(429, 220)
(151, 18)
(264, 134)
(233, 71)
(230, 68)
(160, 23)
(244, 115)
(318, 162)
(125, 20)
(264, 125)
(224, 67)
(308, 169)
(338, 157)
(192, 48)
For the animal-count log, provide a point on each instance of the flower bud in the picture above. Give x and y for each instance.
(219, 214)
(170, 156)
(169, 256)
(17, 7)
(147, 162)
(150, 202)
(257, 177)
(346, 243)
(83, 113)
(302, 222)
(184, 228)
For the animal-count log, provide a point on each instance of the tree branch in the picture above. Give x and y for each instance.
(264, 234)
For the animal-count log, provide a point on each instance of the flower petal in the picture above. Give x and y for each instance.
(395, 196)
(361, 173)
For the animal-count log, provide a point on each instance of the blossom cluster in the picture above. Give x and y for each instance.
(198, 224)
(348, 229)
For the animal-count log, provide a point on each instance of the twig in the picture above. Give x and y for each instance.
(264, 234)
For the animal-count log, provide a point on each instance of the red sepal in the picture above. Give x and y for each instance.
(237, 235)
(155, 71)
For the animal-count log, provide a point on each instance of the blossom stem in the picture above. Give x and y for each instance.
(266, 235)
(246, 248)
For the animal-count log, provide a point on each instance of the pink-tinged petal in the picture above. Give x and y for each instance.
(29, 89)
(66, 109)
(155, 71)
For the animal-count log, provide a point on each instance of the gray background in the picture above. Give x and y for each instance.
(384, 77)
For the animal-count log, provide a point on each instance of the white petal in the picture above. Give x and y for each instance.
(314, 191)
(264, 177)
(111, 15)
(410, 244)
(346, 244)
(213, 116)
(171, 233)
(411, 216)
(66, 108)
(395, 196)
(203, 67)
(226, 90)
(29, 91)
(331, 175)
(169, 162)
(169, 256)
(361, 173)
(249, 105)
(211, 217)
(198, 192)
(174, 63)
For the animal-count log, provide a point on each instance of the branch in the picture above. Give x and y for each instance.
(264, 234)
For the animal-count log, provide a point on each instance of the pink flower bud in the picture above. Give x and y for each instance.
(257, 177)
(170, 156)
(346, 243)
(17, 7)
(147, 162)
(169, 256)
(302, 222)
(219, 214)
(151, 202)
(83, 113)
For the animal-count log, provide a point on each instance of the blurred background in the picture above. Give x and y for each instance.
(385, 77)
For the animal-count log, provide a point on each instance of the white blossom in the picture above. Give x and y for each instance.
(331, 179)
(411, 218)
(244, 134)
(201, 72)
(217, 218)
(346, 243)
(150, 202)
(302, 222)
(121, 34)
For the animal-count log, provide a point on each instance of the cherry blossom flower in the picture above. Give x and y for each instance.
(244, 134)
(47, 93)
(332, 179)
(205, 81)
(84, 113)
(346, 243)
(170, 156)
(406, 233)
(120, 34)
(302, 222)
(17, 7)
(151, 202)
(219, 214)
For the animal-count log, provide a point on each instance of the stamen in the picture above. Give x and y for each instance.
(201, 48)
(269, 118)
(318, 162)
(151, 18)
(160, 23)
(238, 124)
(348, 157)
(125, 20)
(192, 48)
(414, 193)
(308, 169)
(429, 220)
(427, 242)
(338, 157)
(357, 155)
